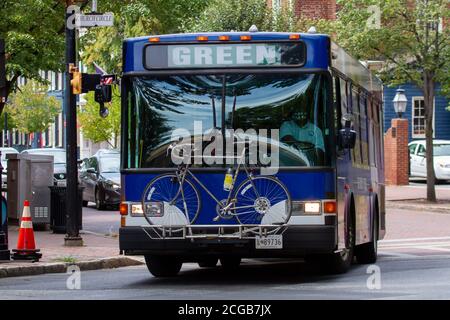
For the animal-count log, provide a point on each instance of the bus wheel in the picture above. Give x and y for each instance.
(208, 262)
(367, 252)
(340, 262)
(163, 266)
(230, 263)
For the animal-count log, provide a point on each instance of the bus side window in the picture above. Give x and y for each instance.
(356, 152)
(364, 129)
(377, 134)
(371, 131)
(337, 104)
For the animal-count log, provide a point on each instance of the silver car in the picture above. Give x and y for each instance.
(59, 162)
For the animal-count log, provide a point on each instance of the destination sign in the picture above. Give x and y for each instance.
(175, 56)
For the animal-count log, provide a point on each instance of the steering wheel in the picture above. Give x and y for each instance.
(304, 146)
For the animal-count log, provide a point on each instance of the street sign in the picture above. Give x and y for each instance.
(94, 20)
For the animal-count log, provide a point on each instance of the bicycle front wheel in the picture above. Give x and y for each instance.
(262, 200)
(165, 203)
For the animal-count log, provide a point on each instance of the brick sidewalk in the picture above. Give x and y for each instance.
(414, 192)
(53, 249)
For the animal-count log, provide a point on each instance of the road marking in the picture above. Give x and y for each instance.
(398, 254)
(441, 244)
(406, 245)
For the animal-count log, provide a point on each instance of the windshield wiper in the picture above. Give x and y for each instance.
(213, 104)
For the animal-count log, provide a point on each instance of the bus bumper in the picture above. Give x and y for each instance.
(298, 241)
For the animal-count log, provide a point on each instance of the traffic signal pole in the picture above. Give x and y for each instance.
(73, 233)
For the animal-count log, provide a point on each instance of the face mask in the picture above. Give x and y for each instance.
(300, 116)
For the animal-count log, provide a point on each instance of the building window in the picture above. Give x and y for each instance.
(418, 117)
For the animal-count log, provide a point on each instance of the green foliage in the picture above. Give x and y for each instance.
(96, 128)
(240, 15)
(11, 124)
(403, 38)
(31, 109)
(133, 19)
(34, 35)
(409, 40)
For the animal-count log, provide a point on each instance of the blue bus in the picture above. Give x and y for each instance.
(249, 145)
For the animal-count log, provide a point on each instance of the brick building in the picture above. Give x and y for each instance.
(312, 9)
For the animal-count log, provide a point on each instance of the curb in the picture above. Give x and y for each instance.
(61, 267)
(400, 205)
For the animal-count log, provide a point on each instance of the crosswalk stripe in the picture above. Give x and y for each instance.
(405, 245)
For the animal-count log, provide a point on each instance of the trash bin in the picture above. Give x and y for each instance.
(58, 208)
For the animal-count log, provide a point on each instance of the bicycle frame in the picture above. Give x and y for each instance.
(184, 169)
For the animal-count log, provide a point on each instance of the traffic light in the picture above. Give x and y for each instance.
(84, 82)
(103, 93)
(76, 82)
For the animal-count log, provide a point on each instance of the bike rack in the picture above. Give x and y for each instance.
(212, 232)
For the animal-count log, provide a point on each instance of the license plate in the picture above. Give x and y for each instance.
(269, 242)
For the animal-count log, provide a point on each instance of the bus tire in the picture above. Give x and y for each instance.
(208, 262)
(340, 262)
(230, 263)
(367, 253)
(163, 266)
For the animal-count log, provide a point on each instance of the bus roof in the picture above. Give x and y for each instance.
(317, 52)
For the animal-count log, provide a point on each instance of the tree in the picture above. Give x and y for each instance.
(133, 19)
(31, 109)
(34, 36)
(408, 38)
(240, 15)
(96, 128)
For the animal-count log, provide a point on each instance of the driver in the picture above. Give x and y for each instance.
(300, 129)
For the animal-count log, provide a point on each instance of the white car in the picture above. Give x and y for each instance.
(4, 151)
(418, 163)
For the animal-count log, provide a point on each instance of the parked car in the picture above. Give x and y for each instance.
(100, 177)
(59, 162)
(4, 152)
(418, 163)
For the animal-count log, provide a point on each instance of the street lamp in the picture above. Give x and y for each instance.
(400, 102)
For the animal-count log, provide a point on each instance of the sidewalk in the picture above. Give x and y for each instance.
(98, 252)
(413, 197)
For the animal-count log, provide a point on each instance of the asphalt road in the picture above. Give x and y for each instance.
(104, 222)
(414, 263)
(401, 277)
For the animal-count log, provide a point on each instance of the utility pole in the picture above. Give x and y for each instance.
(2, 80)
(73, 233)
(4, 251)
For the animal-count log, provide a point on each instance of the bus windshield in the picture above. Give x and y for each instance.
(292, 108)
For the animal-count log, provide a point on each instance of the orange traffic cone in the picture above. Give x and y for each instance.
(26, 247)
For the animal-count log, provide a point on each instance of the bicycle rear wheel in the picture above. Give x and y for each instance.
(162, 202)
(265, 200)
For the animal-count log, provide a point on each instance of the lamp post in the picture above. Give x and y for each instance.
(400, 102)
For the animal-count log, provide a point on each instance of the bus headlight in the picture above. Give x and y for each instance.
(300, 208)
(312, 207)
(136, 210)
